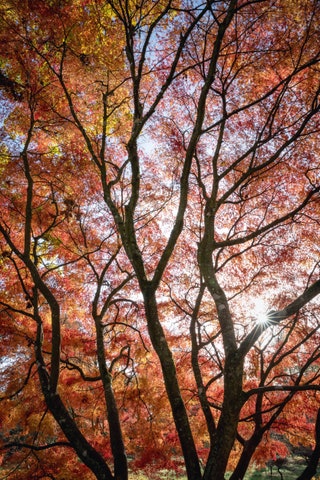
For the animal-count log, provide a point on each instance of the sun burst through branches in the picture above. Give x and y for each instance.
(260, 312)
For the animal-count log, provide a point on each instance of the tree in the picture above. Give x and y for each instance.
(159, 177)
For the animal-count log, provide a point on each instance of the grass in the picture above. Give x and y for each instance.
(288, 474)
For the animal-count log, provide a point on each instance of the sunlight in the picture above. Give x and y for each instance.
(260, 312)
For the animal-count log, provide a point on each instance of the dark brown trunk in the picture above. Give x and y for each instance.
(311, 468)
(87, 454)
(245, 458)
(117, 444)
(172, 387)
(227, 426)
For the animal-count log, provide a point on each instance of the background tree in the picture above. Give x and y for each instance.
(159, 182)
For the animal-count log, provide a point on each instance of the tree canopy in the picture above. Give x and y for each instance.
(159, 199)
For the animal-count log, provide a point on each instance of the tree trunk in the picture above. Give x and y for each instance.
(311, 468)
(117, 444)
(227, 426)
(246, 455)
(89, 456)
(172, 387)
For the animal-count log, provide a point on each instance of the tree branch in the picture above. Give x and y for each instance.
(282, 388)
(275, 317)
(35, 447)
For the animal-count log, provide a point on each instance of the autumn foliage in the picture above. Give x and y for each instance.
(159, 202)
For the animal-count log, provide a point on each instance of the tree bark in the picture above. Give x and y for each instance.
(116, 439)
(311, 468)
(246, 455)
(89, 456)
(227, 426)
(172, 387)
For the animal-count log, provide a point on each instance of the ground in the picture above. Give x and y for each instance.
(290, 472)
